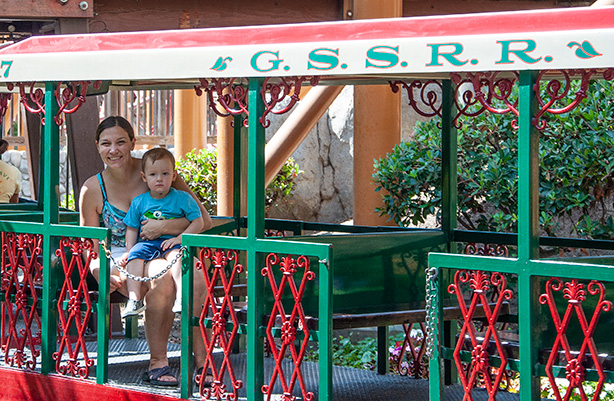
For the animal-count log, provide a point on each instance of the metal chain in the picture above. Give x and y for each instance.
(107, 251)
(430, 323)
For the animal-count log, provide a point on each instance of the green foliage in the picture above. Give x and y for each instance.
(576, 158)
(361, 354)
(199, 170)
(607, 392)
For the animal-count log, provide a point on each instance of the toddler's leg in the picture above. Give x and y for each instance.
(135, 305)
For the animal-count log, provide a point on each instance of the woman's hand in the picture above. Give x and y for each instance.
(114, 282)
(152, 229)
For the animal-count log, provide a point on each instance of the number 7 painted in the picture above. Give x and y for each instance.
(8, 65)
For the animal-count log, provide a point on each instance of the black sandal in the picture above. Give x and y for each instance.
(198, 375)
(152, 377)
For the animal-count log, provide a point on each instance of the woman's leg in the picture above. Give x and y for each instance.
(176, 272)
(158, 315)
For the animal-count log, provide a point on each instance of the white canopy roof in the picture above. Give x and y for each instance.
(569, 38)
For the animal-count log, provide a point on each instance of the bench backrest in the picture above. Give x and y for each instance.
(375, 272)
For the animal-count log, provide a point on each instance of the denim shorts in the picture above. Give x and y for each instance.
(149, 250)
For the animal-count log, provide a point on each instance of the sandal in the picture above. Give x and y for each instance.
(198, 374)
(153, 377)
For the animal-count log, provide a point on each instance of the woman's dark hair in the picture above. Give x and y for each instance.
(115, 121)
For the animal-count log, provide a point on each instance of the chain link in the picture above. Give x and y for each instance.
(107, 251)
(430, 323)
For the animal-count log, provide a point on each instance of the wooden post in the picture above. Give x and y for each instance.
(190, 122)
(377, 124)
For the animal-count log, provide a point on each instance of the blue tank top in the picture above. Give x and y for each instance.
(113, 218)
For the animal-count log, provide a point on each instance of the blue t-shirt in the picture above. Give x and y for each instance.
(174, 205)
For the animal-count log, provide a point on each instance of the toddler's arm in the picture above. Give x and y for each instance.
(196, 226)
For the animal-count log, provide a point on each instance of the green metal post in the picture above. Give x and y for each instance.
(382, 350)
(187, 336)
(238, 166)
(436, 363)
(49, 197)
(102, 337)
(255, 231)
(449, 198)
(528, 232)
(325, 328)
(449, 147)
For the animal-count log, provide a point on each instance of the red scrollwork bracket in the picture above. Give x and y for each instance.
(424, 97)
(227, 98)
(34, 101)
(277, 92)
(72, 91)
(4, 103)
(231, 96)
(557, 89)
(487, 91)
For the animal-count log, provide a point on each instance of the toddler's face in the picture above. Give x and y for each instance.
(159, 176)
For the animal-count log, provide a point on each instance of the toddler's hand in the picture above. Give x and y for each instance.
(123, 260)
(171, 242)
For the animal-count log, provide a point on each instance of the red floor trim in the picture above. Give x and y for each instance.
(27, 386)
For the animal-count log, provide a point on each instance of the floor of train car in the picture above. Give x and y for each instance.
(128, 359)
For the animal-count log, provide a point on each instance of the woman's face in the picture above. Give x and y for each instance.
(114, 146)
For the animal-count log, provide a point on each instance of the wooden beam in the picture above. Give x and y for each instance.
(46, 9)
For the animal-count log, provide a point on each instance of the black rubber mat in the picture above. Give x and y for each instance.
(349, 384)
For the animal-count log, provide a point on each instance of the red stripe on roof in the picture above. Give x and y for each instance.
(449, 25)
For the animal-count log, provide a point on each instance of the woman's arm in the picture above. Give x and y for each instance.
(195, 227)
(89, 215)
(152, 228)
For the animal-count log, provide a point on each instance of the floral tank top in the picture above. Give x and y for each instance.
(113, 218)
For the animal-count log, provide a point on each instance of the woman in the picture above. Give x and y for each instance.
(108, 195)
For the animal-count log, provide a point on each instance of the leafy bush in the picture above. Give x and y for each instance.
(361, 354)
(199, 170)
(576, 156)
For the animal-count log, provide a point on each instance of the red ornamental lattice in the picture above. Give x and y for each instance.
(290, 324)
(409, 358)
(73, 321)
(479, 370)
(21, 277)
(575, 294)
(219, 267)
